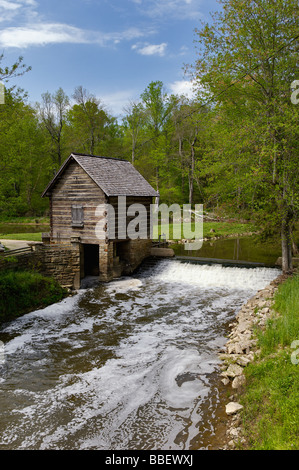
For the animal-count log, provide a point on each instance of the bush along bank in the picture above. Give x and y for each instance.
(22, 292)
(261, 370)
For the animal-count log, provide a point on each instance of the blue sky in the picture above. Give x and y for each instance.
(113, 48)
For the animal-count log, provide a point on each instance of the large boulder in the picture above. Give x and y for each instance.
(233, 371)
(233, 408)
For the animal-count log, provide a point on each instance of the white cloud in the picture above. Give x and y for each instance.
(181, 9)
(116, 101)
(151, 49)
(9, 5)
(40, 35)
(129, 34)
(182, 87)
(9, 10)
(32, 30)
(50, 33)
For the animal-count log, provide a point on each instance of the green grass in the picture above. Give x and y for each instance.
(282, 331)
(271, 399)
(25, 220)
(218, 228)
(22, 292)
(34, 237)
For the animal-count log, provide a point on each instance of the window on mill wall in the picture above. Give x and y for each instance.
(77, 216)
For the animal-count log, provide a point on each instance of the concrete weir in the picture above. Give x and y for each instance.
(224, 262)
(162, 252)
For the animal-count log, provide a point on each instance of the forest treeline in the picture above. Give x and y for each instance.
(233, 147)
(155, 134)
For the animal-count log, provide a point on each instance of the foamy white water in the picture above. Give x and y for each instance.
(129, 365)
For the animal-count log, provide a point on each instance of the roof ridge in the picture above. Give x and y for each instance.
(98, 156)
(113, 179)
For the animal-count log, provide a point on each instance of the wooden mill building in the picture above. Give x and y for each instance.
(80, 195)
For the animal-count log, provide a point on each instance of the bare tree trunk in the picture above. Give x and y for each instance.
(191, 172)
(92, 142)
(182, 165)
(190, 186)
(286, 245)
(295, 250)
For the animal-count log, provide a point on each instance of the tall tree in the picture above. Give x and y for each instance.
(158, 107)
(15, 70)
(24, 162)
(88, 119)
(52, 112)
(247, 58)
(133, 123)
(189, 124)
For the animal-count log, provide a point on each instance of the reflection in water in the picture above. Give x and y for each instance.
(128, 365)
(242, 249)
(19, 228)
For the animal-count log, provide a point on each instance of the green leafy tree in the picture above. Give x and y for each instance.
(133, 124)
(22, 149)
(247, 58)
(17, 69)
(158, 108)
(87, 120)
(52, 112)
(189, 122)
(24, 162)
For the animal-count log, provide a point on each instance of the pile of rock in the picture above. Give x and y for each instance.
(241, 349)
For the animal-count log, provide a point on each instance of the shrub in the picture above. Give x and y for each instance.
(22, 292)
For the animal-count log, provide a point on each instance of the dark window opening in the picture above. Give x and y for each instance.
(77, 216)
(91, 260)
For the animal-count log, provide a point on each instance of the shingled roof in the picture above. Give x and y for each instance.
(114, 176)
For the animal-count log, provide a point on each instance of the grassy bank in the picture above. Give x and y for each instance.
(25, 220)
(33, 237)
(22, 292)
(174, 231)
(210, 229)
(271, 398)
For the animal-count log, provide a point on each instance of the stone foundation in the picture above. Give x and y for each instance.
(62, 262)
(106, 262)
(122, 258)
(65, 263)
(131, 253)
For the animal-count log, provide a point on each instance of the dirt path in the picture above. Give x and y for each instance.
(15, 244)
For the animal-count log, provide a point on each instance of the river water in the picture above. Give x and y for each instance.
(128, 365)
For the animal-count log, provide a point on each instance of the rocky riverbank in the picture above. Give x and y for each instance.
(241, 349)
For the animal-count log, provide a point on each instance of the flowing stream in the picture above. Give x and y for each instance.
(128, 365)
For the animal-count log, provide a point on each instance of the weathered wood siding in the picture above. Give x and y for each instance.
(130, 200)
(75, 188)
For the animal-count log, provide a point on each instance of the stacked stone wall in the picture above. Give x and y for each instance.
(62, 262)
(106, 261)
(138, 251)
(133, 252)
